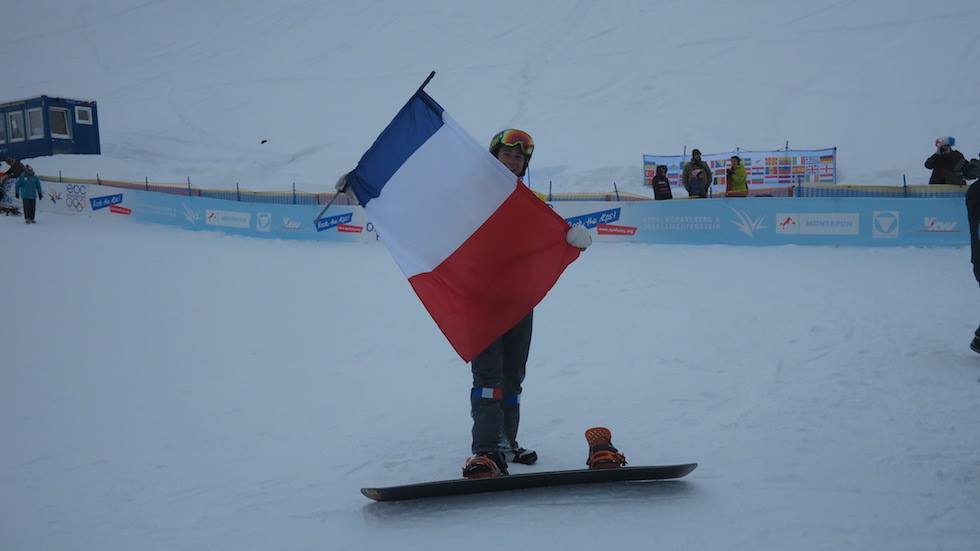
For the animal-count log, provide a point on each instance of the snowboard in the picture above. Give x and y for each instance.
(462, 486)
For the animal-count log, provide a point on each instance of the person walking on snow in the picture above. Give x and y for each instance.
(498, 371)
(28, 189)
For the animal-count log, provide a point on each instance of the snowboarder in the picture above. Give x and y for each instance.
(498, 371)
(943, 163)
(696, 176)
(28, 190)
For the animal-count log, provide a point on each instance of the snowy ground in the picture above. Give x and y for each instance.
(163, 390)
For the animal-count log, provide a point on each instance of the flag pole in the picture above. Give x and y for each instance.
(334, 198)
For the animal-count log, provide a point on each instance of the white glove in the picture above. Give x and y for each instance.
(579, 237)
(342, 187)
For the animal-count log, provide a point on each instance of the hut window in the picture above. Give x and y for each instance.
(59, 122)
(15, 120)
(83, 115)
(35, 124)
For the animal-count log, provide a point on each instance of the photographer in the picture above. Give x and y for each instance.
(944, 161)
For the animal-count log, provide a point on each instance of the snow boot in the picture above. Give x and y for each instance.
(485, 465)
(514, 453)
(602, 454)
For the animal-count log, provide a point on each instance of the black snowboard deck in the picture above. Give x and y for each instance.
(461, 486)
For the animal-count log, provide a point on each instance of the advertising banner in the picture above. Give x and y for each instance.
(736, 221)
(779, 168)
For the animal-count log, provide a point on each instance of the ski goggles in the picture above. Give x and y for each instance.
(512, 138)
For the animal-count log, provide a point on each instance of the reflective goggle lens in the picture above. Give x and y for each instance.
(512, 138)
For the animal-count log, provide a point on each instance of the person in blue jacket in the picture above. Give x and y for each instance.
(28, 190)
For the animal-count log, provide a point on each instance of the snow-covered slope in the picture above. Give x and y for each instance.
(162, 389)
(190, 89)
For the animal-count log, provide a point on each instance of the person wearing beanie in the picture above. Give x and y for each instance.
(28, 190)
(944, 161)
(696, 176)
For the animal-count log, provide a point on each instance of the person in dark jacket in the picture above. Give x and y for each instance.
(696, 176)
(28, 190)
(661, 185)
(971, 171)
(944, 161)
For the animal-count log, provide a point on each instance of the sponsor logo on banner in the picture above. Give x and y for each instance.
(290, 224)
(818, 223)
(328, 222)
(885, 224)
(54, 196)
(154, 209)
(931, 224)
(345, 228)
(118, 209)
(593, 219)
(683, 223)
(75, 197)
(191, 215)
(263, 222)
(746, 224)
(105, 201)
(228, 219)
(609, 229)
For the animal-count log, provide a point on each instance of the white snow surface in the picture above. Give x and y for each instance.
(163, 389)
(190, 89)
(169, 390)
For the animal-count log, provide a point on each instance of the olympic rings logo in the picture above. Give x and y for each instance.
(75, 203)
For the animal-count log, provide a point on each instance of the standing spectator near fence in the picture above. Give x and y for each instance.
(696, 176)
(944, 161)
(970, 170)
(735, 180)
(661, 185)
(28, 189)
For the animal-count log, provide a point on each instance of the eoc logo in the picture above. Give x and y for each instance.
(593, 219)
(333, 221)
(75, 195)
(105, 201)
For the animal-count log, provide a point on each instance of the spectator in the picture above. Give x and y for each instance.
(696, 176)
(943, 162)
(735, 181)
(661, 185)
(971, 171)
(28, 189)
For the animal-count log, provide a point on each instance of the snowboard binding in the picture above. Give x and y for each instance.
(602, 454)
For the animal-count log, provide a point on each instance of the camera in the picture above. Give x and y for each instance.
(969, 170)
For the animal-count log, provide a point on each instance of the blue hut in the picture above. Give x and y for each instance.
(42, 126)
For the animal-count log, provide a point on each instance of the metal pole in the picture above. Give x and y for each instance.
(146, 183)
(188, 186)
(294, 193)
(238, 193)
(549, 190)
(616, 189)
(905, 186)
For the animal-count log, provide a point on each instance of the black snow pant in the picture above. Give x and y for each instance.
(495, 400)
(973, 215)
(30, 206)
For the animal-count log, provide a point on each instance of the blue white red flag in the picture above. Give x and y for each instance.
(477, 246)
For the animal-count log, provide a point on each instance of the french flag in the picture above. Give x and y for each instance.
(477, 246)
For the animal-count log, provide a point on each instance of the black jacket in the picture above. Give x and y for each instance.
(942, 165)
